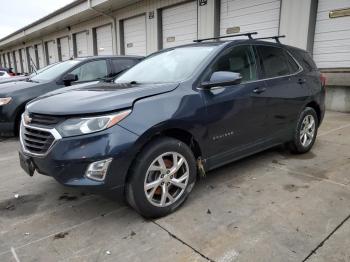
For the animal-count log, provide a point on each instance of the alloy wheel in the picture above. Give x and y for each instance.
(166, 179)
(307, 131)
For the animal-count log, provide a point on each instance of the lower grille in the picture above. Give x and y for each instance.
(36, 141)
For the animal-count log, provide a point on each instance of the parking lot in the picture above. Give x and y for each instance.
(273, 206)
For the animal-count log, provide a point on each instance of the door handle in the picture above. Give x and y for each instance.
(259, 90)
(301, 81)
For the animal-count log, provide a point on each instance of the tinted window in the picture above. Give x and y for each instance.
(91, 71)
(241, 60)
(293, 66)
(121, 64)
(273, 61)
(2, 73)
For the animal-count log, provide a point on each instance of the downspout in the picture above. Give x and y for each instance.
(114, 24)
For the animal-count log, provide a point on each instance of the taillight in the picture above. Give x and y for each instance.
(323, 79)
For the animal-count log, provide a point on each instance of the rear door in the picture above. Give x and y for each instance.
(285, 91)
(236, 114)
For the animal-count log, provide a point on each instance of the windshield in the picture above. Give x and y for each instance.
(174, 65)
(54, 71)
(42, 69)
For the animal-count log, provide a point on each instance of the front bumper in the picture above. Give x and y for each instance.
(69, 158)
(7, 128)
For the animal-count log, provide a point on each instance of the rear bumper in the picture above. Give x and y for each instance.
(69, 158)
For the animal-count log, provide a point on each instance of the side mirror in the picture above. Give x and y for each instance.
(69, 78)
(222, 78)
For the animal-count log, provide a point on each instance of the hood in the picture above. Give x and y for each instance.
(95, 99)
(8, 88)
(13, 79)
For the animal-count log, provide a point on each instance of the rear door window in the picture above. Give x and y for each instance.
(273, 61)
(120, 64)
(91, 71)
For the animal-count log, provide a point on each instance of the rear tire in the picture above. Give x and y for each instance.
(161, 177)
(305, 132)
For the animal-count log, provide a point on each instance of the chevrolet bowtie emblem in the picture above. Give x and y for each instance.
(27, 119)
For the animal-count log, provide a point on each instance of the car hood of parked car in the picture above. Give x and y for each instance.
(95, 99)
(13, 79)
(9, 88)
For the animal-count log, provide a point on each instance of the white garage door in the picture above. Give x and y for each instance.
(64, 48)
(40, 51)
(11, 60)
(31, 58)
(4, 56)
(332, 36)
(135, 36)
(242, 16)
(51, 52)
(104, 40)
(179, 24)
(24, 61)
(18, 62)
(1, 61)
(81, 41)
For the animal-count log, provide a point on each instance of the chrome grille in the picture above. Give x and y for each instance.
(44, 120)
(36, 141)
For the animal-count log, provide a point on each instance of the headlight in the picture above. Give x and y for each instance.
(87, 125)
(5, 101)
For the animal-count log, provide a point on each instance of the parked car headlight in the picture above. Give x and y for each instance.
(87, 125)
(5, 101)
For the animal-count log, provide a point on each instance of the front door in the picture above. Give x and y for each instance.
(236, 115)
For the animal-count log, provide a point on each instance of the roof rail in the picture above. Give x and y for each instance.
(276, 38)
(249, 35)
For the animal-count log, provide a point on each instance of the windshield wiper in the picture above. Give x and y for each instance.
(32, 81)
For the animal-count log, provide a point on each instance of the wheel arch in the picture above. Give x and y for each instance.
(314, 105)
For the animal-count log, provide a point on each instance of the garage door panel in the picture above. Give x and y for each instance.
(81, 44)
(250, 15)
(338, 24)
(179, 24)
(104, 40)
(332, 34)
(18, 62)
(257, 18)
(331, 44)
(326, 5)
(252, 10)
(65, 48)
(135, 36)
(51, 52)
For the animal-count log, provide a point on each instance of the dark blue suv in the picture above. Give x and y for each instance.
(178, 113)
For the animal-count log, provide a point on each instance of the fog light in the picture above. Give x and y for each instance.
(98, 170)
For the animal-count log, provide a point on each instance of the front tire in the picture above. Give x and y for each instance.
(161, 177)
(305, 132)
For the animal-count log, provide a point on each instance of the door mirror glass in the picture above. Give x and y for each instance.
(223, 78)
(69, 78)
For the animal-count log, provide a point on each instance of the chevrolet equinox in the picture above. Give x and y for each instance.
(178, 113)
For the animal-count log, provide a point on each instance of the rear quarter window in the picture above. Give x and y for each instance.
(273, 61)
